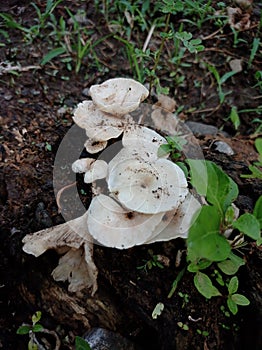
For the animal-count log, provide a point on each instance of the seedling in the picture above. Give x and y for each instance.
(204, 333)
(183, 326)
(220, 81)
(256, 173)
(152, 262)
(234, 299)
(31, 330)
(185, 298)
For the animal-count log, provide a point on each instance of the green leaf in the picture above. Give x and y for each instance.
(249, 225)
(199, 265)
(204, 285)
(32, 345)
(52, 54)
(233, 285)
(231, 265)
(226, 76)
(232, 306)
(234, 117)
(258, 144)
(163, 150)
(204, 240)
(37, 328)
(240, 299)
(198, 174)
(81, 344)
(36, 317)
(221, 190)
(23, 329)
(258, 211)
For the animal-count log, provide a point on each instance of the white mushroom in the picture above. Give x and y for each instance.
(118, 96)
(116, 227)
(142, 138)
(176, 223)
(74, 237)
(99, 125)
(97, 171)
(148, 187)
(82, 165)
(93, 146)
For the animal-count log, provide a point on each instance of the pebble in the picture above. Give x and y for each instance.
(103, 339)
(42, 215)
(223, 147)
(85, 92)
(201, 128)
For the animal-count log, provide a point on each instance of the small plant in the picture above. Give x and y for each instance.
(256, 173)
(183, 326)
(185, 298)
(220, 81)
(31, 330)
(152, 262)
(234, 298)
(204, 333)
(207, 243)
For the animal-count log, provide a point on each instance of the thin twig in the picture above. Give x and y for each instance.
(10, 68)
(148, 38)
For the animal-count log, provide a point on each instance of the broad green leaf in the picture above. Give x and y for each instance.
(36, 317)
(233, 285)
(23, 330)
(240, 299)
(52, 54)
(234, 117)
(231, 265)
(163, 150)
(81, 344)
(198, 174)
(249, 225)
(204, 285)
(200, 265)
(232, 306)
(258, 211)
(37, 328)
(204, 240)
(221, 190)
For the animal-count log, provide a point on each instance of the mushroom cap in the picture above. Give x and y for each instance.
(118, 96)
(99, 125)
(97, 171)
(113, 226)
(82, 165)
(142, 138)
(176, 223)
(93, 146)
(148, 187)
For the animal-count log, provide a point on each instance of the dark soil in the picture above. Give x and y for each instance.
(36, 112)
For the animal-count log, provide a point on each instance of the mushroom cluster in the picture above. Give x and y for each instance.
(147, 198)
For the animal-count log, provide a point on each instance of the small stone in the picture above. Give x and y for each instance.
(42, 215)
(223, 147)
(202, 129)
(8, 97)
(85, 92)
(102, 339)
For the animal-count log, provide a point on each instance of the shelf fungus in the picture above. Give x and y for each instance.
(144, 199)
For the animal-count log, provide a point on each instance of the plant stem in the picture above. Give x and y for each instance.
(159, 52)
